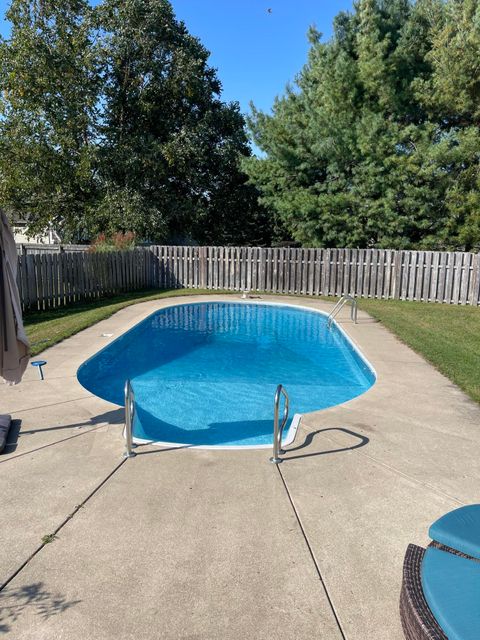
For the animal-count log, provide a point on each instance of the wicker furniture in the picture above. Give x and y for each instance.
(417, 620)
(449, 573)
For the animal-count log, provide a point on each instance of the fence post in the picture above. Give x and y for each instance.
(155, 267)
(397, 275)
(203, 267)
(474, 297)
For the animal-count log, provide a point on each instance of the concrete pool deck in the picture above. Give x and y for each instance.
(202, 544)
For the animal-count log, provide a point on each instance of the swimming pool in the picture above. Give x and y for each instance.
(205, 374)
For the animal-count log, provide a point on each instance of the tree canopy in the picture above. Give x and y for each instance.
(377, 144)
(49, 82)
(112, 119)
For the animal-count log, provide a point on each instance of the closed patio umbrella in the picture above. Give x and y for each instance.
(14, 347)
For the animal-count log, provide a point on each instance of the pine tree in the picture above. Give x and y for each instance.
(378, 143)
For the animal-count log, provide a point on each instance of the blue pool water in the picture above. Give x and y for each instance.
(206, 373)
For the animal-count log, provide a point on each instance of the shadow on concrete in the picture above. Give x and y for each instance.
(116, 416)
(362, 441)
(32, 597)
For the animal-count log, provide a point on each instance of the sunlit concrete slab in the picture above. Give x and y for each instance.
(207, 544)
(41, 488)
(359, 516)
(178, 544)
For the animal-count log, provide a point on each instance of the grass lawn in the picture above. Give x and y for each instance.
(447, 336)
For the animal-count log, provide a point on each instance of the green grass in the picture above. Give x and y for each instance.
(447, 336)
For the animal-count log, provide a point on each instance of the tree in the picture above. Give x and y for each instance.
(451, 95)
(112, 120)
(377, 145)
(49, 80)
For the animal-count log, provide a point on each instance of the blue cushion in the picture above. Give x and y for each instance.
(460, 530)
(451, 586)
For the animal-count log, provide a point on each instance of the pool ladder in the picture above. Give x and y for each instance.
(129, 416)
(277, 427)
(339, 306)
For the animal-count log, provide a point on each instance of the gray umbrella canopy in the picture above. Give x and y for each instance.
(14, 347)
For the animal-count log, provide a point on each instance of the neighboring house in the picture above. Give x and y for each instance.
(21, 236)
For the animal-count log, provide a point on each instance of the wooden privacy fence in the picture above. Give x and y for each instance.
(26, 249)
(52, 279)
(429, 276)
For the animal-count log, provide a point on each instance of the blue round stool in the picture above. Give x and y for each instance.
(39, 364)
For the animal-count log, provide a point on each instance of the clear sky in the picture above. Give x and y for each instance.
(256, 51)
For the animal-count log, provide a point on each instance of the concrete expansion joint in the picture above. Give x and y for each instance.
(396, 471)
(53, 444)
(421, 483)
(53, 535)
(312, 555)
(52, 404)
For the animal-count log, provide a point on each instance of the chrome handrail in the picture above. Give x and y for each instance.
(339, 306)
(129, 415)
(278, 430)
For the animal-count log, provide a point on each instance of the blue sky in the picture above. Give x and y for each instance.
(256, 52)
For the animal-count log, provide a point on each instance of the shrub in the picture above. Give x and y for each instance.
(116, 242)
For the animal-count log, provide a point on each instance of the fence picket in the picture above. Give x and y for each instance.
(466, 277)
(450, 260)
